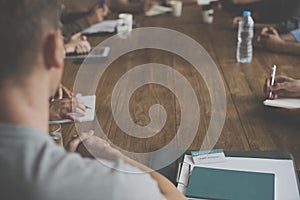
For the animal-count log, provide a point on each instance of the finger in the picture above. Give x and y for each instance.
(273, 30)
(79, 105)
(79, 49)
(78, 111)
(264, 30)
(84, 38)
(72, 117)
(75, 36)
(73, 144)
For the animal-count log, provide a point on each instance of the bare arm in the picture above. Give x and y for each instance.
(102, 149)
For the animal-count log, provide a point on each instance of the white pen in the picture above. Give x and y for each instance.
(272, 79)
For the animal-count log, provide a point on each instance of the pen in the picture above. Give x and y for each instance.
(101, 4)
(272, 79)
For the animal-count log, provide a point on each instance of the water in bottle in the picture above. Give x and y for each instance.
(244, 51)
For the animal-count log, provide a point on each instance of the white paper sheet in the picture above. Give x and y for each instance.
(283, 103)
(285, 177)
(205, 2)
(157, 10)
(107, 26)
(90, 102)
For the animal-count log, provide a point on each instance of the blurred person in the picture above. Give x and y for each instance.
(32, 165)
(74, 22)
(281, 14)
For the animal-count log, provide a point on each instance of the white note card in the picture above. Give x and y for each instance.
(107, 26)
(283, 103)
(89, 102)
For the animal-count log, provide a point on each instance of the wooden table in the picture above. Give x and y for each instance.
(248, 125)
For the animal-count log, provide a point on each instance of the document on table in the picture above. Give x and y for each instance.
(287, 103)
(205, 2)
(286, 186)
(89, 102)
(157, 10)
(107, 26)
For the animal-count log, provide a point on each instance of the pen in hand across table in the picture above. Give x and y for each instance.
(272, 81)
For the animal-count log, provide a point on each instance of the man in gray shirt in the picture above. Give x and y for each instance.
(31, 165)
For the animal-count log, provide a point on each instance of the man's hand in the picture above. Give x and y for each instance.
(97, 14)
(284, 87)
(74, 143)
(78, 44)
(270, 39)
(66, 108)
(63, 92)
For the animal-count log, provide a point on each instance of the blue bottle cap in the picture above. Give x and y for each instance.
(247, 13)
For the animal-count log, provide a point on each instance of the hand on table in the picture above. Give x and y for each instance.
(284, 87)
(78, 44)
(270, 39)
(65, 109)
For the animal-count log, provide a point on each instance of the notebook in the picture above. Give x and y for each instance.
(217, 184)
(89, 102)
(283, 103)
(107, 26)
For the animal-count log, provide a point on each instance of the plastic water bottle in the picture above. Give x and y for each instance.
(244, 51)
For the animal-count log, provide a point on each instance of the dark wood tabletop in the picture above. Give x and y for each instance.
(249, 125)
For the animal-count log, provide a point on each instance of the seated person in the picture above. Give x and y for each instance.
(32, 165)
(284, 87)
(281, 14)
(73, 23)
(270, 39)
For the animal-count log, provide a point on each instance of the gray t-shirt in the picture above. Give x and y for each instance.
(33, 167)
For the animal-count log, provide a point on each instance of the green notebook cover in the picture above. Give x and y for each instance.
(220, 184)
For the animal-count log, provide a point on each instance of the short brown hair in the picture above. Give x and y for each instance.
(23, 23)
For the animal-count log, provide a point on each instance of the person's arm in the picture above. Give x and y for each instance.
(101, 149)
(270, 39)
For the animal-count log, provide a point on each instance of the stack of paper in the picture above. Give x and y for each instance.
(157, 10)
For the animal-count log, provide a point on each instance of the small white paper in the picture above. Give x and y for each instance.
(157, 10)
(205, 2)
(287, 103)
(107, 26)
(89, 102)
(213, 156)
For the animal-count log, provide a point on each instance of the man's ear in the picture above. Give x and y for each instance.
(53, 50)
